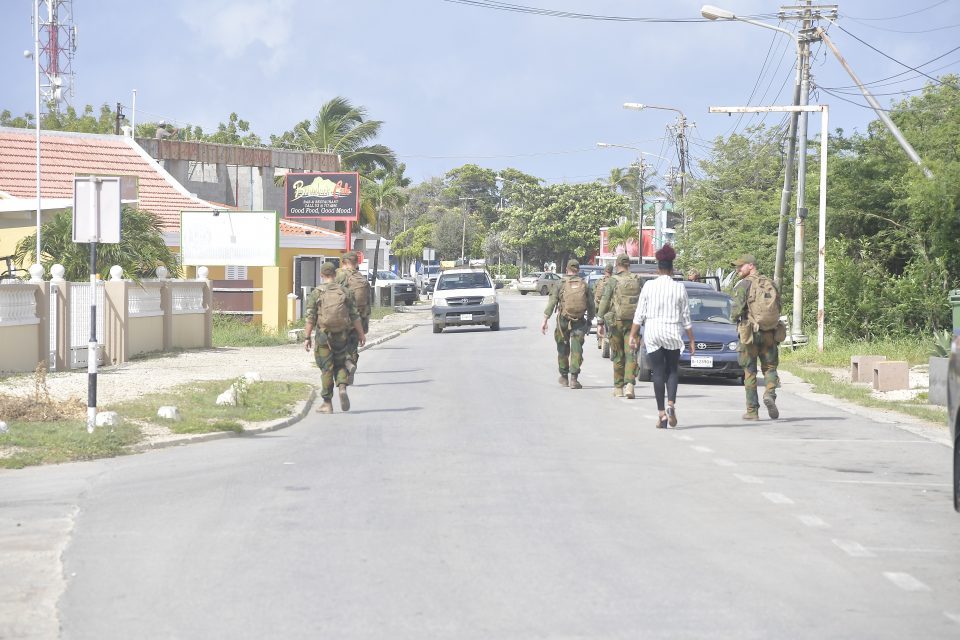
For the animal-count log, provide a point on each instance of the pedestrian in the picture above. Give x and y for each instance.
(693, 275)
(617, 308)
(598, 295)
(756, 309)
(575, 312)
(350, 277)
(332, 311)
(663, 310)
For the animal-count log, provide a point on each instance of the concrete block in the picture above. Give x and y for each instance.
(228, 398)
(861, 367)
(169, 413)
(108, 419)
(251, 377)
(3, 427)
(939, 372)
(891, 375)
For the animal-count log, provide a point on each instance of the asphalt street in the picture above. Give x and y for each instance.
(468, 495)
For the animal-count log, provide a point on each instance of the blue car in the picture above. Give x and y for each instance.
(715, 333)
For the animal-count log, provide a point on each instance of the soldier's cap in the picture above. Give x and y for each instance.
(328, 269)
(623, 259)
(351, 256)
(573, 264)
(744, 259)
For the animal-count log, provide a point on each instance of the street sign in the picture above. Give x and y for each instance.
(429, 255)
(96, 209)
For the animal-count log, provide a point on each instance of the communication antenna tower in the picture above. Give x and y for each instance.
(58, 43)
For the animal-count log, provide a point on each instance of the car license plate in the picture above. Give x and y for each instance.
(466, 316)
(701, 362)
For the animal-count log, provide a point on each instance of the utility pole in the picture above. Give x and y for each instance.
(463, 238)
(119, 117)
(682, 153)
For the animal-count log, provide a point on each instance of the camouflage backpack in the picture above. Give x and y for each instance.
(360, 288)
(763, 304)
(625, 296)
(573, 298)
(332, 311)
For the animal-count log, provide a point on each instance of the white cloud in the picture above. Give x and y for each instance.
(233, 26)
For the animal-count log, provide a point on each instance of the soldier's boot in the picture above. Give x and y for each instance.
(326, 407)
(344, 399)
(628, 391)
(618, 392)
(574, 383)
(563, 380)
(771, 404)
(751, 414)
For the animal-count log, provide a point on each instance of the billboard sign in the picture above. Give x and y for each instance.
(324, 196)
(224, 238)
(96, 209)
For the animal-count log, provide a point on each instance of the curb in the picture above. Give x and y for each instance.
(917, 426)
(300, 411)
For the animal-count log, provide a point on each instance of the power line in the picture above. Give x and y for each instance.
(904, 15)
(889, 57)
(902, 73)
(557, 13)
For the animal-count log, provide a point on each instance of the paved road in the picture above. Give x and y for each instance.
(467, 495)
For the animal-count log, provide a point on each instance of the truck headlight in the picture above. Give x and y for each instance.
(489, 299)
(439, 302)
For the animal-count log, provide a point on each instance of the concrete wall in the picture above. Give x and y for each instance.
(19, 348)
(188, 331)
(146, 335)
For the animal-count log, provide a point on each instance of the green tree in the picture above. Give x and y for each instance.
(86, 121)
(620, 236)
(140, 251)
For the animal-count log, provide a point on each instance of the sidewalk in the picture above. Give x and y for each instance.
(164, 371)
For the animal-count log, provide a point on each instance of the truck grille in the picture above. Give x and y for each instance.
(464, 301)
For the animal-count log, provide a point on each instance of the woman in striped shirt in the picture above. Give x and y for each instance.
(663, 310)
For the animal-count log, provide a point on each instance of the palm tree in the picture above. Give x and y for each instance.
(140, 250)
(342, 128)
(621, 236)
(381, 195)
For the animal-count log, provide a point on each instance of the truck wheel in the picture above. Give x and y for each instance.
(643, 369)
(544, 290)
(437, 328)
(494, 326)
(523, 293)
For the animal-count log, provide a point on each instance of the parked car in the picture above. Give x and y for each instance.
(426, 278)
(715, 333)
(465, 297)
(542, 282)
(404, 291)
(953, 415)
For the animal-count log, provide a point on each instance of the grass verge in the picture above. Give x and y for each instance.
(824, 382)
(837, 351)
(261, 401)
(33, 443)
(229, 331)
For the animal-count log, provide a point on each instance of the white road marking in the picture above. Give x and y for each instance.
(723, 462)
(953, 616)
(913, 550)
(813, 521)
(891, 483)
(777, 498)
(853, 549)
(289, 463)
(679, 436)
(701, 449)
(748, 479)
(905, 581)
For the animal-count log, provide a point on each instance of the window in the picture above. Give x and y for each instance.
(235, 273)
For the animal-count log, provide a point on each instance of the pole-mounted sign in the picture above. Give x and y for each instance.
(96, 218)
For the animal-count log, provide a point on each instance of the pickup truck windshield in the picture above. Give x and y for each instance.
(464, 281)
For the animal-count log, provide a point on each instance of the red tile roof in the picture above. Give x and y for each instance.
(64, 155)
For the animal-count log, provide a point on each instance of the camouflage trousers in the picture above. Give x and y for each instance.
(331, 350)
(353, 346)
(624, 361)
(765, 349)
(569, 335)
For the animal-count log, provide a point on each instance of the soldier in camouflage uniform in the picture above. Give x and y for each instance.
(761, 345)
(330, 348)
(347, 268)
(569, 334)
(598, 294)
(618, 333)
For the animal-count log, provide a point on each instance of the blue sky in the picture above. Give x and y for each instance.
(457, 84)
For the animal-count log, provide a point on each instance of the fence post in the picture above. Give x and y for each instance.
(62, 328)
(116, 338)
(42, 293)
(166, 304)
(202, 273)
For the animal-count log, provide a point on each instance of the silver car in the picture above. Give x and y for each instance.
(542, 282)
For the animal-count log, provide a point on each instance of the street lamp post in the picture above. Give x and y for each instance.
(36, 71)
(800, 95)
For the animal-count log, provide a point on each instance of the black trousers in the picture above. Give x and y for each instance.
(664, 366)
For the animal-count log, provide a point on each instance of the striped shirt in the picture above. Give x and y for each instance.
(663, 309)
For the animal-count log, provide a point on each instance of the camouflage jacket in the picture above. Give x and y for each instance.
(313, 303)
(598, 290)
(556, 302)
(741, 293)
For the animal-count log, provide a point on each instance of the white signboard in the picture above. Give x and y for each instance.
(220, 238)
(96, 209)
(429, 254)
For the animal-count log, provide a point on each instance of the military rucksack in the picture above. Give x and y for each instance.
(360, 288)
(332, 312)
(573, 298)
(626, 293)
(763, 304)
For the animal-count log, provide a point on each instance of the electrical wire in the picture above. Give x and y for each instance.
(889, 57)
(557, 13)
(854, 102)
(904, 15)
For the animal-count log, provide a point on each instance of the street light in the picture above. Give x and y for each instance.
(36, 95)
(800, 93)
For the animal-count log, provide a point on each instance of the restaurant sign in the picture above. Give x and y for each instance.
(324, 196)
